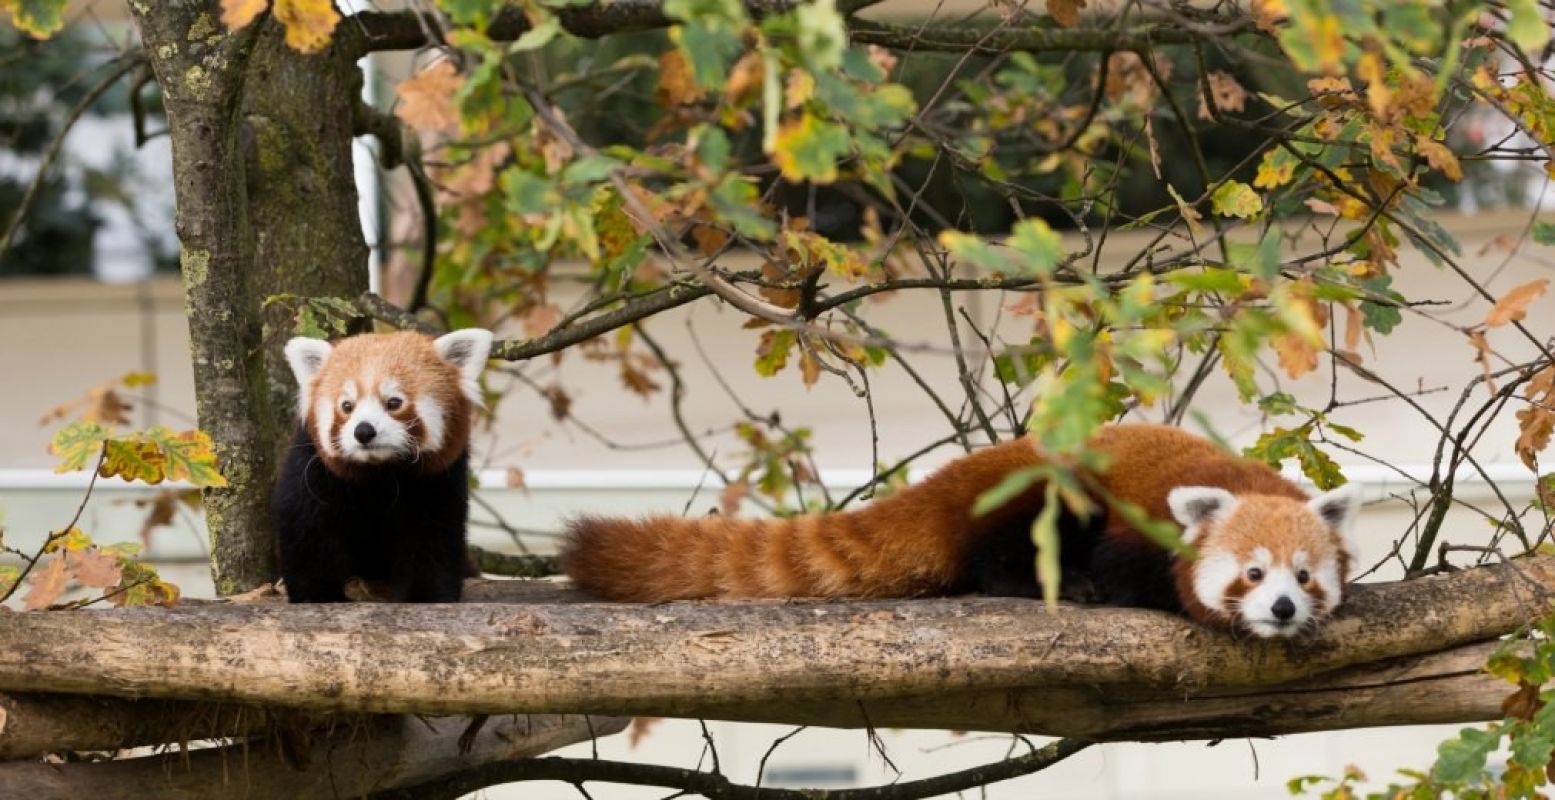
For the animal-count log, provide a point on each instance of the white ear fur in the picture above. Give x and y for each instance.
(306, 357)
(467, 350)
(1338, 508)
(1193, 505)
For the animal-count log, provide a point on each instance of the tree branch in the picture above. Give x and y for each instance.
(715, 786)
(963, 661)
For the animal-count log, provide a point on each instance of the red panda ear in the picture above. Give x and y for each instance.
(467, 350)
(1194, 505)
(1338, 508)
(306, 357)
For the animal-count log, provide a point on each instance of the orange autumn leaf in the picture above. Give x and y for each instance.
(732, 496)
(426, 100)
(1536, 423)
(1297, 355)
(1440, 157)
(238, 13)
(309, 23)
(677, 86)
(1065, 12)
(1513, 306)
(47, 585)
(541, 319)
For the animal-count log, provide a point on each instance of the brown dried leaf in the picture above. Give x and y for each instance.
(164, 506)
(104, 406)
(1297, 355)
(541, 319)
(730, 498)
(561, 402)
(427, 100)
(1536, 422)
(637, 381)
(1065, 12)
(745, 78)
(883, 59)
(515, 478)
(1513, 305)
(1353, 328)
(94, 568)
(1482, 354)
(47, 584)
(639, 730)
(809, 367)
(677, 86)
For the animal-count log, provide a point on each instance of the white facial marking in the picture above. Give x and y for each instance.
(1327, 578)
(1192, 506)
(1257, 610)
(323, 417)
(306, 357)
(430, 412)
(389, 438)
(467, 350)
(1212, 576)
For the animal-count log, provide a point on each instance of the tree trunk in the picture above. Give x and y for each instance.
(964, 663)
(266, 204)
(298, 115)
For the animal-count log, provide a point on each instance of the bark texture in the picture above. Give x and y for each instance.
(984, 664)
(266, 200)
(376, 755)
(33, 725)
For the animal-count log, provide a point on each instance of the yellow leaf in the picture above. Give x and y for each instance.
(1378, 94)
(1513, 305)
(426, 100)
(1440, 157)
(1236, 199)
(799, 88)
(809, 367)
(190, 456)
(133, 459)
(238, 13)
(135, 380)
(1268, 14)
(1297, 356)
(309, 23)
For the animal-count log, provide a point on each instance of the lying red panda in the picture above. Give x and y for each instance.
(375, 486)
(1270, 561)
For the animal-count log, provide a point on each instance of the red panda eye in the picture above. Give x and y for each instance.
(394, 404)
(1254, 574)
(1303, 576)
(346, 406)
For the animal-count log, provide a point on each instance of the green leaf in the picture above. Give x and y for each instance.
(1532, 748)
(808, 149)
(528, 193)
(8, 577)
(1044, 534)
(38, 18)
(1527, 28)
(1377, 316)
(1463, 759)
(133, 459)
(1208, 279)
(1236, 199)
(589, 169)
(822, 35)
(772, 353)
(1544, 232)
(77, 444)
(1039, 243)
(1007, 489)
(538, 36)
(976, 251)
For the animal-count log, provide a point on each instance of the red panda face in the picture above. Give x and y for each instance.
(389, 398)
(1271, 566)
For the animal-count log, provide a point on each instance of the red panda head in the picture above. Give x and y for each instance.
(389, 398)
(1265, 564)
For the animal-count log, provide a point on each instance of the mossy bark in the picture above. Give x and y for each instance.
(266, 203)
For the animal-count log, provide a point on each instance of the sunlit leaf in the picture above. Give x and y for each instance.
(1236, 199)
(77, 444)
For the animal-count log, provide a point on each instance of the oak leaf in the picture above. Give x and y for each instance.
(1065, 12)
(427, 100)
(95, 568)
(47, 585)
(732, 496)
(677, 85)
(238, 13)
(1227, 94)
(309, 23)
(1513, 306)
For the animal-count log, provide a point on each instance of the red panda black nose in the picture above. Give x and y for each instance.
(364, 432)
(1283, 609)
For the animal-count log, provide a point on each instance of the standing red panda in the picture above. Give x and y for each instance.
(1270, 561)
(376, 483)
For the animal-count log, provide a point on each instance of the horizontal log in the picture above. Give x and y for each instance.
(32, 725)
(353, 760)
(731, 660)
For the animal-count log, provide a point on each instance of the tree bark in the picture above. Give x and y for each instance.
(945, 663)
(34, 725)
(200, 67)
(267, 204)
(351, 761)
(298, 120)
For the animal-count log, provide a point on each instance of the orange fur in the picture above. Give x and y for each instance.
(410, 359)
(916, 542)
